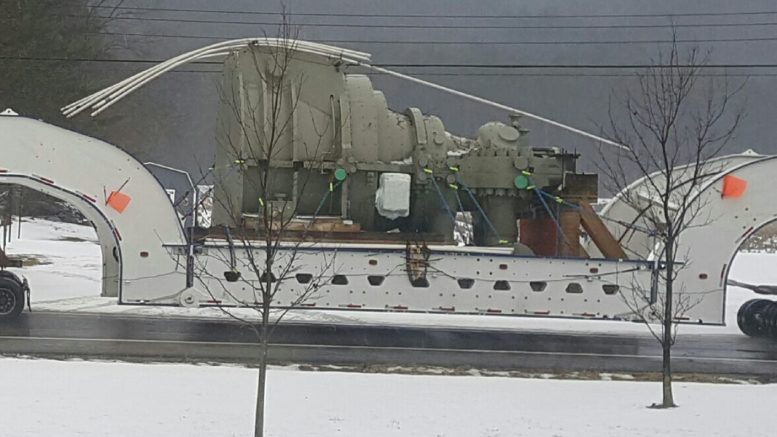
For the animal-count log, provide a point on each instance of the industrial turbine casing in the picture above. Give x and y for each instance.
(319, 120)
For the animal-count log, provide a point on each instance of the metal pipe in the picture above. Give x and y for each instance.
(103, 99)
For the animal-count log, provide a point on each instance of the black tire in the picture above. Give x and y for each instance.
(11, 298)
(770, 319)
(748, 317)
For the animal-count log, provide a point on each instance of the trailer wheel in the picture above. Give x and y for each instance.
(11, 298)
(752, 317)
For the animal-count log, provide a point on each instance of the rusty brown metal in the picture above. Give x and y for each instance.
(580, 188)
(569, 245)
(599, 233)
(540, 235)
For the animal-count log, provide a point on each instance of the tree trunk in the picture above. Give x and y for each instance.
(261, 387)
(264, 329)
(260, 393)
(667, 398)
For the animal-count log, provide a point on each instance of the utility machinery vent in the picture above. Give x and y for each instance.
(574, 288)
(610, 289)
(420, 283)
(231, 276)
(375, 280)
(304, 278)
(501, 285)
(339, 280)
(264, 278)
(538, 285)
(466, 283)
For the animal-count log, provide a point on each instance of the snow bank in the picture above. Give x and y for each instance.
(67, 257)
(54, 398)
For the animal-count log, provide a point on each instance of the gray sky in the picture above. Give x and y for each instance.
(575, 96)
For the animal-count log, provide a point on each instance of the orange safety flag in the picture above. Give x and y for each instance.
(733, 187)
(118, 201)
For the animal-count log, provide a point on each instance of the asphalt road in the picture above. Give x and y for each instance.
(197, 340)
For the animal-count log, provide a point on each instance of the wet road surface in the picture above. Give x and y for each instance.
(205, 340)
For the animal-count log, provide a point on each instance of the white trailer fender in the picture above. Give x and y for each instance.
(624, 220)
(709, 244)
(712, 240)
(84, 172)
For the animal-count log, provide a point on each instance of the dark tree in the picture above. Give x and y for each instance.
(673, 123)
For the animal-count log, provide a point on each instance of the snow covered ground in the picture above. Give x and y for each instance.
(75, 398)
(70, 263)
(69, 280)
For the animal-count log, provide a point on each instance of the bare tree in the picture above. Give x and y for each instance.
(673, 123)
(267, 249)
